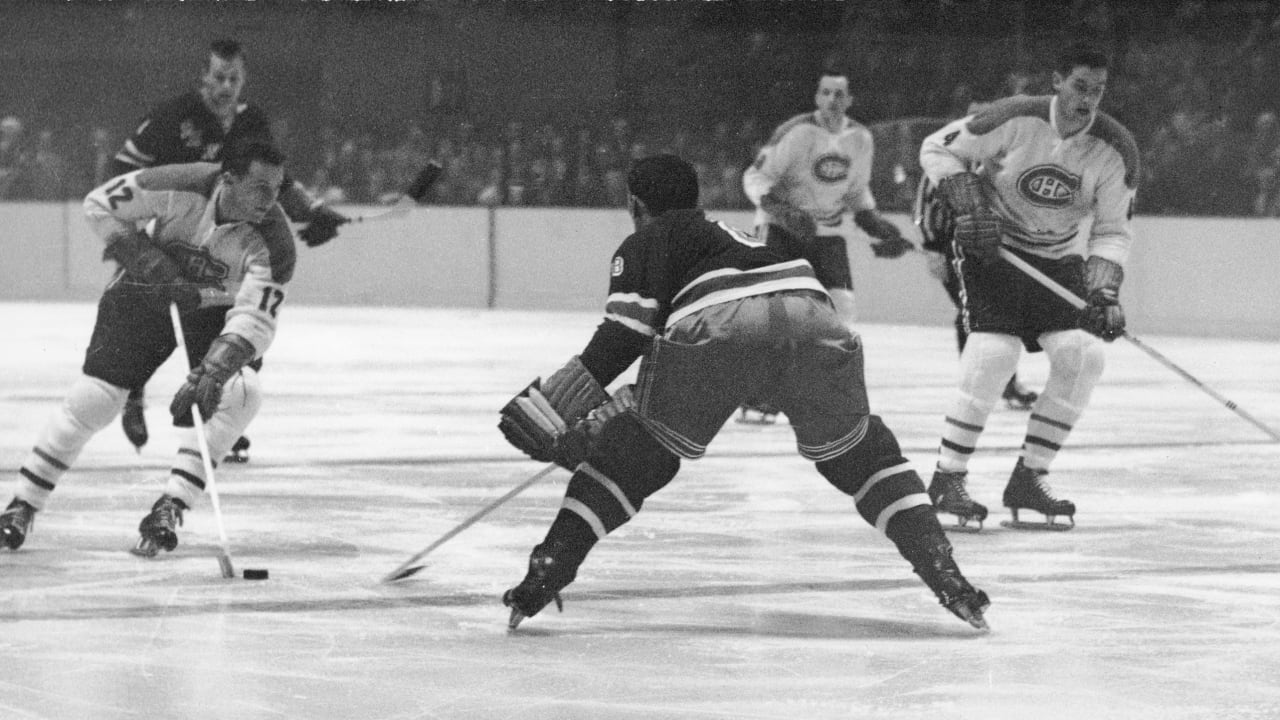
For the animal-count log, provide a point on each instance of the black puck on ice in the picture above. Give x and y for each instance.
(255, 574)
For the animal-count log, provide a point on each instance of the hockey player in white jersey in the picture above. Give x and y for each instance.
(806, 182)
(1022, 175)
(218, 245)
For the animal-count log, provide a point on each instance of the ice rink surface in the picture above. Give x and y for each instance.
(749, 588)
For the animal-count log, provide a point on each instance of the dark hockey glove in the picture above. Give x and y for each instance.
(978, 235)
(977, 228)
(203, 388)
(891, 243)
(323, 226)
(576, 444)
(530, 424)
(791, 218)
(150, 269)
(534, 419)
(1102, 314)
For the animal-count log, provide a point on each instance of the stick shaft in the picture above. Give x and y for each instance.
(494, 505)
(206, 459)
(1078, 303)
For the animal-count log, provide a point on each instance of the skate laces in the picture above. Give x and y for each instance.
(956, 484)
(168, 512)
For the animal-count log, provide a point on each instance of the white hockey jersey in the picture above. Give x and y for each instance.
(1041, 184)
(232, 262)
(813, 169)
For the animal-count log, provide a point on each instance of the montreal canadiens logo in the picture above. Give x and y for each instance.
(1049, 186)
(197, 264)
(831, 168)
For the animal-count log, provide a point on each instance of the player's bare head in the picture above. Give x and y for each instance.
(832, 96)
(662, 182)
(224, 75)
(252, 172)
(1080, 79)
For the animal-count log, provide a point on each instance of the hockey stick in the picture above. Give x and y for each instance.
(1079, 304)
(224, 554)
(417, 190)
(408, 568)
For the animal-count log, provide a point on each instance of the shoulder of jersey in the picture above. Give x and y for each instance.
(184, 105)
(1110, 131)
(183, 177)
(1005, 109)
(802, 120)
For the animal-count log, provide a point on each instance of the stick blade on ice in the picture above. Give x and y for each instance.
(401, 575)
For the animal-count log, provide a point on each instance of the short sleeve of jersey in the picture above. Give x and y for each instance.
(633, 297)
(257, 304)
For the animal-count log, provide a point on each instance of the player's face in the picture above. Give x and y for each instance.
(832, 98)
(1080, 93)
(248, 198)
(223, 81)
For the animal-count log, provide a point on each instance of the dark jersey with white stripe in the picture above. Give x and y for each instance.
(676, 265)
(185, 130)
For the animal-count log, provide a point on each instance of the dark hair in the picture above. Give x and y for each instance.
(832, 71)
(226, 48)
(1081, 53)
(663, 182)
(239, 155)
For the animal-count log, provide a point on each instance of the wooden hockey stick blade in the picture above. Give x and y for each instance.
(408, 567)
(418, 190)
(224, 562)
(1078, 303)
(423, 181)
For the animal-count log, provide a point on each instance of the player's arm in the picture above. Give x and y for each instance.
(540, 416)
(764, 184)
(945, 157)
(321, 221)
(1109, 243)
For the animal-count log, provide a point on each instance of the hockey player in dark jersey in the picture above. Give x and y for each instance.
(193, 127)
(219, 247)
(717, 316)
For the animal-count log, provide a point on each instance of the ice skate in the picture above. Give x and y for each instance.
(948, 493)
(1028, 490)
(933, 563)
(159, 528)
(134, 421)
(757, 414)
(540, 587)
(1017, 397)
(16, 522)
(239, 451)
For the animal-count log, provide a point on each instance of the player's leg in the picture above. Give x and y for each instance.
(1076, 361)
(604, 493)
(241, 400)
(859, 455)
(689, 384)
(129, 342)
(133, 420)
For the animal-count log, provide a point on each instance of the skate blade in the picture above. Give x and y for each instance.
(771, 420)
(1047, 525)
(146, 548)
(516, 618)
(236, 458)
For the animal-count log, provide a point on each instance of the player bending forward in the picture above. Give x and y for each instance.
(208, 252)
(1022, 175)
(717, 317)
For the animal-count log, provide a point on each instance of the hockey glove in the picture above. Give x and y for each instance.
(323, 226)
(576, 444)
(149, 268)
(977, 229)
(978, 235)
(1102, 314)
(535, 419)
(203, 388)
(791, 218)
(891, 243)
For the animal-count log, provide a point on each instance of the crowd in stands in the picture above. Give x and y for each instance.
(1203, 109)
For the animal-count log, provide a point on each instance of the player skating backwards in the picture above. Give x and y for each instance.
(717, 317)
(1022, 175)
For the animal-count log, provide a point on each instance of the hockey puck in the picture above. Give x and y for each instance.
(255, 574)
